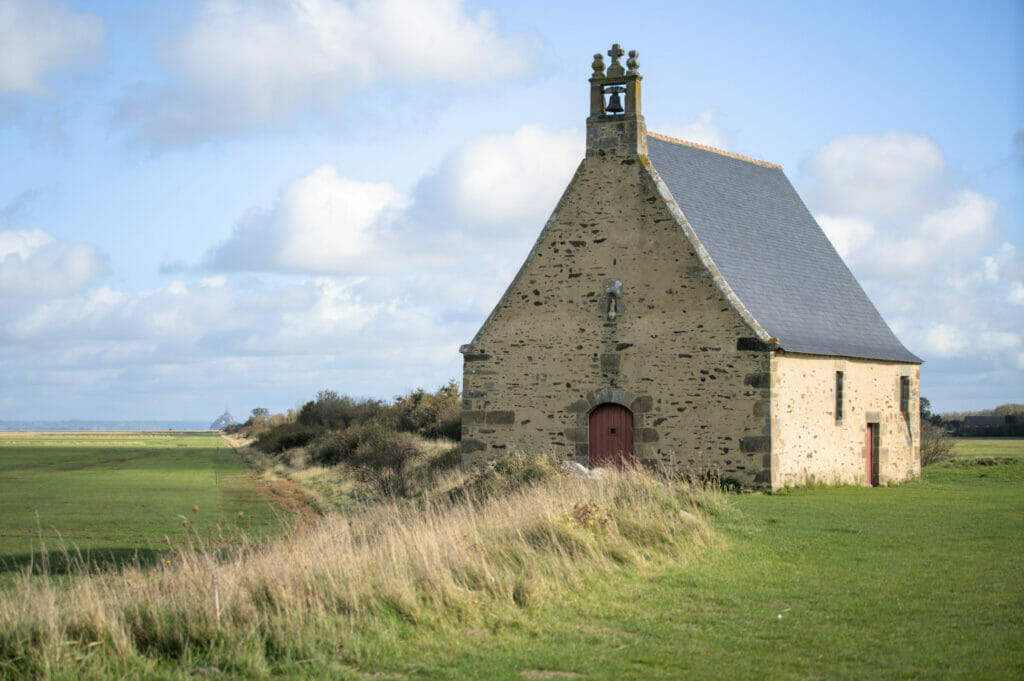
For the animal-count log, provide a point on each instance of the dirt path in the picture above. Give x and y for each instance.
(286, 495)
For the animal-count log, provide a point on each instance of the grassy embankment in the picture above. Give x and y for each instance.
(117, 496)
(917, 581)
(351, 592)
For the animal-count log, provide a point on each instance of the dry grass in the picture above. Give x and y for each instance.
(438, 565)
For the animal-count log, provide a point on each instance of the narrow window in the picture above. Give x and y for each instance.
(905, 395)
(839, 396)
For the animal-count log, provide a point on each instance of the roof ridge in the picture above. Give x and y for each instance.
(705, 147)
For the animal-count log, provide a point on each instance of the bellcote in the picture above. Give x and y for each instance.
(615, 125)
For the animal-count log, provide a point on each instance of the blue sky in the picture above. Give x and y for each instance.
(226, 203)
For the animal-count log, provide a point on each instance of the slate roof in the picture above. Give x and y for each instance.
(773, 253)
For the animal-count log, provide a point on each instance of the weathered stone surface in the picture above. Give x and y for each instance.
(758, 380)
(642, 405)
(502, 418)
(470, 417)
(762, 408)
(752, 345)
(648, 435)
(808, 441)
(469, 446)
(755, 443)
(610, 362)
(553, 364)
(578, 435)
(579, 406)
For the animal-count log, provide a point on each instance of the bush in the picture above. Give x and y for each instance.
(341, 445)
(286, 436)
(509, 473)
(936, 444)
(384, 460)
(335, 412)
(431, 415)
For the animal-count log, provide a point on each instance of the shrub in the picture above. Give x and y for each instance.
(286, 436)
(342, 445)
(431, 415)
(384, 460)
(936, 444)
(509, 473)
(330, 410)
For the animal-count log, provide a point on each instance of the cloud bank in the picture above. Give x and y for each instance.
(931, 253)
(40, 37)
(245, 66)
(35, 265)
(497, 188)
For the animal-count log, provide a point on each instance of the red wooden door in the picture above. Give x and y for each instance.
(872, 450)
(611, 436)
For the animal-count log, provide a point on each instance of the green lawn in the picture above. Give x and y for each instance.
(988, 446)
(117, 494)
(919, 581)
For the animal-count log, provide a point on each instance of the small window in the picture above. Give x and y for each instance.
(905, 395)
(839, 396)
(611, 431)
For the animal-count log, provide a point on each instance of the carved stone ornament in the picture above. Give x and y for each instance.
(633, 63)
(616, 67)
(598, 66)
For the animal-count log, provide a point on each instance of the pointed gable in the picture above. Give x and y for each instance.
(773, 254)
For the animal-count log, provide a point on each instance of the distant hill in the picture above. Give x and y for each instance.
(223, 421)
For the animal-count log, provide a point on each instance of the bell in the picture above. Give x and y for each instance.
(614, 103)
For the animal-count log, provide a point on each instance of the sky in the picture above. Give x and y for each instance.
(210, 204)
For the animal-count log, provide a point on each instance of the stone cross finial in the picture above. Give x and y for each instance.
(598, 66)
(616, 53)
(633, 63)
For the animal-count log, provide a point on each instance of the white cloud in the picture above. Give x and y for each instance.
(496, 188)
(504, 179)
(999, 341)
(35, 265)
(247, 65)
(847, 234)
(944, 340)
(897, 173)
(951, 233)
(321, 223)
(42, 36)
(927, 251)
(1016, 293)
(703, 130)
(118, 352)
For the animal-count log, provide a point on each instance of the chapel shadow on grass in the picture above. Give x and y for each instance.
(71, 561)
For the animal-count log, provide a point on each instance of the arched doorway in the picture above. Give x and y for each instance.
(611, 436)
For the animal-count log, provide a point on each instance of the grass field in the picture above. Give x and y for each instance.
(923, 580)
(919, 581)
(118, 495)
(988, 446)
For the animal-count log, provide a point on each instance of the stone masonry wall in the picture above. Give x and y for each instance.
(810, 445)
(677, 353)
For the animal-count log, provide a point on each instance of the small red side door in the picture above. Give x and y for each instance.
(872, 450)
(611, 436)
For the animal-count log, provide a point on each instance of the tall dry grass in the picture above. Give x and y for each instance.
(330, 586)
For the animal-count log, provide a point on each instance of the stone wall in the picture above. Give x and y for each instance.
(677, 352)
(810, 445)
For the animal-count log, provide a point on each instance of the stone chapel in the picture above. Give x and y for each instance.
(682, 310)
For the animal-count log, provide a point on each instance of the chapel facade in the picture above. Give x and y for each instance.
(682, 310)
